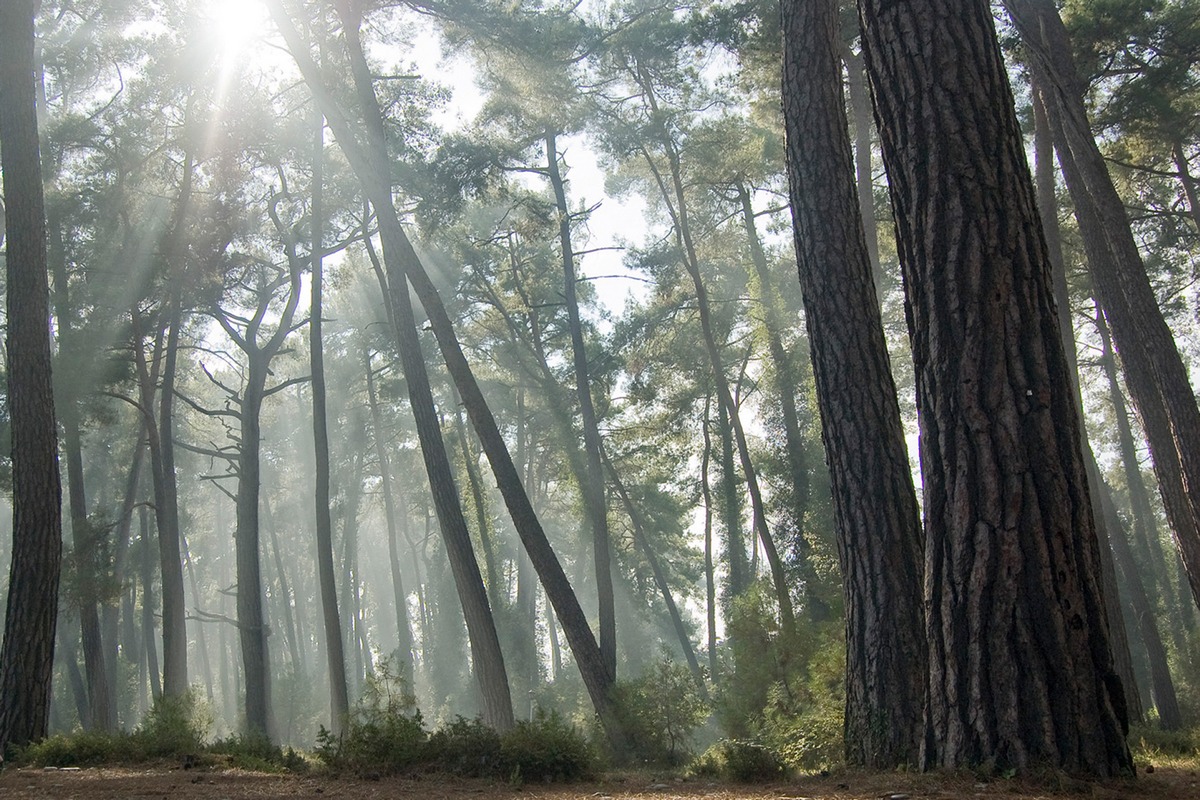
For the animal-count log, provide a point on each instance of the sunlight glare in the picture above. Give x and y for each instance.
(236, 24)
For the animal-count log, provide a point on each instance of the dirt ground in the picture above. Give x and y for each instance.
(165, 782)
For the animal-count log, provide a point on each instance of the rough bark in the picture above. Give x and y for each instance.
(1020, 661)
(27, 654)
(1139, 330)
(1106, 534)
(864, 170)
(875, 506)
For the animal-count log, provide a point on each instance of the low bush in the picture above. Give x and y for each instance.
(739, 760)
(546, 748)
(659, 712)
(465, 747)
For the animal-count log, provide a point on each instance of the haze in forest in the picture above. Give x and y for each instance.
(569, 359)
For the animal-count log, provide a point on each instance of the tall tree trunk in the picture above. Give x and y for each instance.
(404, 637)
(592, 488)
(251, 621)
(1106, 534)
(860, 109)
(786, 386)
(1138, 327)
(147, 576)
(369, 164)
(339, 701)
(201, 639)
(710, 572)
(674, 196)
(27, 654)
(1020, 661)
(660, 578)
(875, 506)
(114, 610)
(299, 667)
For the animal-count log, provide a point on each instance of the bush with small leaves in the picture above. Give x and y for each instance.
(739, 760)
(545, 749)
(465, 747)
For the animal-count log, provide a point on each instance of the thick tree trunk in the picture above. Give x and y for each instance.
(875, 506)
(27, 654)
(339, 701)
(1020, 661)
(592, 488)
(1138, 327)
(368, 162)
(1106, 533)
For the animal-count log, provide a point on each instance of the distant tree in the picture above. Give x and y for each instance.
(1020, 665)
(26, 656)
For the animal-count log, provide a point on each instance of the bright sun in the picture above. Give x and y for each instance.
(235, 23)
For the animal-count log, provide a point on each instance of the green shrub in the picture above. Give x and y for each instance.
(465, 747)
(545, 749)
(255, 752)
(79, 749)
(1149, 741)
(175, 726)
(739, 760)
(659, 712)
(384, 733)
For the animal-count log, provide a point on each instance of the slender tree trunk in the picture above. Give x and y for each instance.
(201, 638)
(1162, 686)
(252, 625)
(860, 109)
(151, 653)
(402, 263)
(592, 488)
(404, 637)
(1020, 661)
(299, 667)
(1139, 329)
(875, 506)
(27, 653)
(113, 611)
(675, 197)
(660, 579)
(339, 701)
(710, 572)
(1186, 179)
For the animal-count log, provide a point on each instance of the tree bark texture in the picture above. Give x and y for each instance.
(1020, 662)
(1139, 330)
(875, 506)
(27, 653)
(1106, 534)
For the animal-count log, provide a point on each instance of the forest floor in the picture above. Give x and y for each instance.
(167, 782)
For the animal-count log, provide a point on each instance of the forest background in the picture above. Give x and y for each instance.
(667, 435)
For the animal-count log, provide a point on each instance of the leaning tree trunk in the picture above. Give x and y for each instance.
(27, 654)
(1139, 330)
(1020, 663)
(875, 506)
(368, 162)
(1108, 527)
